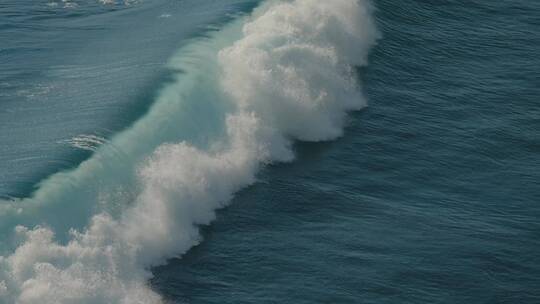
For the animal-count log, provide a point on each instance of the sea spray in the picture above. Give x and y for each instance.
(288, 74)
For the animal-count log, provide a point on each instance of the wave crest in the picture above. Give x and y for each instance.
(291, 75)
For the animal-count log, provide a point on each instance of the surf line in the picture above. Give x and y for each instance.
(285, 73)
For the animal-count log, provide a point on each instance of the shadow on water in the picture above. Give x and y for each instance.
(70, 158)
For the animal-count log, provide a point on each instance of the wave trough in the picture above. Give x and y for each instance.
(245, 94)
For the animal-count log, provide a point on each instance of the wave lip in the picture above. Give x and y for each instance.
(289, 76)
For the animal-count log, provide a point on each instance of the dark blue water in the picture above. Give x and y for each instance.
(433, 195)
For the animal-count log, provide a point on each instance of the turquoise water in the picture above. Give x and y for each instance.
(430, 196)
(86, 70)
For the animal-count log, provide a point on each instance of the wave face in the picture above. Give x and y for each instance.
(244, 95)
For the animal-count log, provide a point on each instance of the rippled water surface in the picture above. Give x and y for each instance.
(431, 196)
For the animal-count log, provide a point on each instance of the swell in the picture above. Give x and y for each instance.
(239, 99)
(98, 94)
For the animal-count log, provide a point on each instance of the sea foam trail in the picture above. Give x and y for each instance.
(285, 73)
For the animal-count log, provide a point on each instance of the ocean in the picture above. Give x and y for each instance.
(279, 151)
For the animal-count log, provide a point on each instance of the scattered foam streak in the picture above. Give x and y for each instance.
(87, 142)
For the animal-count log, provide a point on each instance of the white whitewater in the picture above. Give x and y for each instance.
(91, 235)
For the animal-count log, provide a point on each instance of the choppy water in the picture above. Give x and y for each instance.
(431, 196)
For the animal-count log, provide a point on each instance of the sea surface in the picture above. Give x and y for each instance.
(198, 151)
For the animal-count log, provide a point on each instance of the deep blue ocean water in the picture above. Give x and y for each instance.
(431, 196)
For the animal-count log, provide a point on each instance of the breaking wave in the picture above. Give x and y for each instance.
(240, 97)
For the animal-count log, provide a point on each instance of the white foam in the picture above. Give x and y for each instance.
(289, 76)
